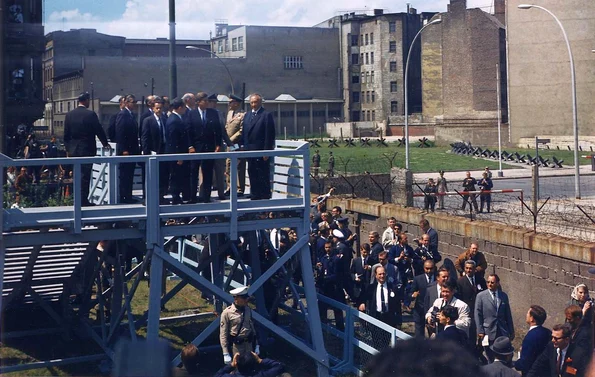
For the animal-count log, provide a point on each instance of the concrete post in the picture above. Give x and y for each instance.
(402, 187)
(535, 188)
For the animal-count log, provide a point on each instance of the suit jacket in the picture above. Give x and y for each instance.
(468, 292)
(204, 136)
(393, 274)
(147, 113)
(152, 138)
(259, 131)
(177, 141)
(498, 369)
(545, 365)
(533, 345)
(493, 321)
(81, 125)
(431, 295)
(420, 283)
(394, 298)
(433, 246)
(126, 133)
(357, 268)
(453, 334)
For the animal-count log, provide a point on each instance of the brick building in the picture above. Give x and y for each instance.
(459, 59)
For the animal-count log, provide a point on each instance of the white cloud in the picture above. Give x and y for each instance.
(149, 18)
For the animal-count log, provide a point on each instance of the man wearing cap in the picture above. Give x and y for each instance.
(237, 333)
(344, 254)
(259, 134)
(81, 125)
(501, 352)
(204, 133)
(233, 129)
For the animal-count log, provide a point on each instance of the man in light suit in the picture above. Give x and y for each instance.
(382, 300)
(153, 141)
(259, 134)
(81, 126)
(204, 134)
(448, 298)
(535, 341)
(493, 316)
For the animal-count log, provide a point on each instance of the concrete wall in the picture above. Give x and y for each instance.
(539, 69)
(534, 269)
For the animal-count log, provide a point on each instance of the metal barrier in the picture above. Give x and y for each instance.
(477, 192)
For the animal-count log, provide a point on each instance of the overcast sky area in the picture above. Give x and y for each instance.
(149, 18)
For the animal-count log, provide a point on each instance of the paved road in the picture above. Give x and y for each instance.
(555, 187)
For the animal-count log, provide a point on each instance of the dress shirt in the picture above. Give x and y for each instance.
(560, 360)
(161, 128)
(430, 279)
(378, 297)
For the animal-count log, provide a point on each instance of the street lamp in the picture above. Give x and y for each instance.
(577, 184)
(436, 21)
(221, 60)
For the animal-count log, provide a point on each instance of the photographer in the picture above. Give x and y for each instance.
(485, 197)
(446, 317)
(448, 289)
(469, 185)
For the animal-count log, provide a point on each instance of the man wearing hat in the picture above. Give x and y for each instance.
(501, 351)
(233, 129)
(81, 125)
(237, 333)
(219, 165)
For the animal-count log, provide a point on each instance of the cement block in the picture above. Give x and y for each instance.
(540, 271)
(552, 274)
(525, 255)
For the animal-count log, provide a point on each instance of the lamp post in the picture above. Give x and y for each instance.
(436, 21)
(173, 67)
(577, 182)
(220, 60)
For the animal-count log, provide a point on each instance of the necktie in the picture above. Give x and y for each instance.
(382, 299)
(559, 362)
(495, 299)
(162, 130)
(203, 116)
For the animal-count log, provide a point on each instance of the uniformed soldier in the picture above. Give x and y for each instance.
(316, 163)
(233, 128)
(331, 165)
(237, 333)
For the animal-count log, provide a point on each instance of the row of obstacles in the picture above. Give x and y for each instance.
(466, 149)
(366, 142)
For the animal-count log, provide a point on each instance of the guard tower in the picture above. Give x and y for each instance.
(51, 254)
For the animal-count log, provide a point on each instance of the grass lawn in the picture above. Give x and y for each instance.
(378, 160)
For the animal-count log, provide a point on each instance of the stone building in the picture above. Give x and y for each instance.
(539, 71)
(21, 101)
(459, 74)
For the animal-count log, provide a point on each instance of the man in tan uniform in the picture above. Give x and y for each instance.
(233, 127)
(237, 333)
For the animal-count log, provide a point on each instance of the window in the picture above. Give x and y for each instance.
(226, 44)
(392, 46)
(371, 58)
(366, 39)
(355, 97)
(368, 115)
(363, 97)
(304, 113)
(367, 58)
(393, 107)
(287, 114)
(393, 86)
(362, 41)
(234, 44)
(354, 59)
(240, 43)
(392, 27)
(362, 57)
(393, 66)
(368, 97)
(355, 79)
(373, 96)
(220, 47)
(68, 106)
(373, 115)
(354, 39)
(371, 38)
(293, 62)
(368, 77)
(372, 77)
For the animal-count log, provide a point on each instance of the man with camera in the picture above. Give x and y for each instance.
(448, 289)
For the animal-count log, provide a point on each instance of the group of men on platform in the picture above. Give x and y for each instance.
(190, 124)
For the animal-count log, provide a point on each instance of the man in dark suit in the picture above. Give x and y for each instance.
(501, 352)
(153, 141)
(419, 292)
(468, 286)
(360, 273)
(535, 341)
(328, 282)
(111, 128)
(145, 114)
(204, 133)
(582, 331)
(493, 317)
(382, 300)
(177, 143)
(447, 317)
(559, 358)
(81, 125)
(259, 134)
(127, 145)
(425, 227)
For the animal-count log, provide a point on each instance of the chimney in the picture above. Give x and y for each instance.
(378, 12)
(500, 10)
(457, 6)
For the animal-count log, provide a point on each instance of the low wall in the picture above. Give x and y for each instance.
(534, 268)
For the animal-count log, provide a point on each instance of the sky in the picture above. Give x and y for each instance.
(149, 18)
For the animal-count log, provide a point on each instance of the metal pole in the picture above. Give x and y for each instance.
(222, 62)
(2, 78)
(500, 172)
(92, 97)
(152, 86)
(536, 176)
(405, 89)
(577, 183)
(173, 69)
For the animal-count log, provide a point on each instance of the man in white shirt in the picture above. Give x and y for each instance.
(390, 236)
(447, 291)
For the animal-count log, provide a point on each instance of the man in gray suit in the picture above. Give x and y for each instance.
(493, 316)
